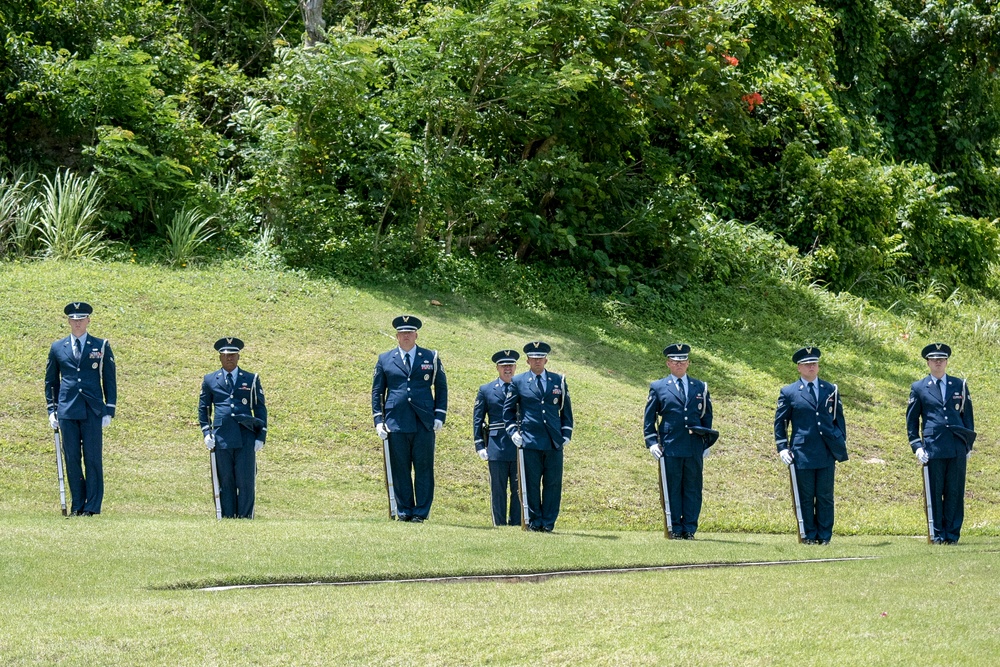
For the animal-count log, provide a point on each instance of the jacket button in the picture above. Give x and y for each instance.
(408, 398)
(80, 390)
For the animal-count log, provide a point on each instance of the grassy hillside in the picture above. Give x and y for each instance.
(314, 343)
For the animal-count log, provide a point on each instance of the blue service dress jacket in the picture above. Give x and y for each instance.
(221, 411)
(544, 420)
(406, 403)
(488, 430)
(72, 386)
(818, 432)
(938, 436)
(668, 416)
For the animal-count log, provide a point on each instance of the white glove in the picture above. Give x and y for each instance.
(517, 439)
(968, 454)
(382, 431)
(786, 456)
(437, 425)
(258, 445)
(705, 454)
(105, 421)
(210, 441)
(656, 451)
(482, 454)
(565, 441)
(53, 421)
(922, 455)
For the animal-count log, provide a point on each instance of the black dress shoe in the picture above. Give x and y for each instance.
(417, 519)
(808, 541)
(547, 529)
(688, 536)
(951, 542)
(677, 536)
(536, 529)
(822, 543)
(403, 517)
(937, 540)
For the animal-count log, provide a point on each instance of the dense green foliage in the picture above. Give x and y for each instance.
(607, 138)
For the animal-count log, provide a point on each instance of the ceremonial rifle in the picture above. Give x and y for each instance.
(928, 506)
(59, 471)
(665, 497)
(797, 502)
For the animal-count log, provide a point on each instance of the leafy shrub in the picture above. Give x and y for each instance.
(944, 247)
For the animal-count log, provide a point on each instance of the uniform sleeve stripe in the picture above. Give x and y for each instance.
(440, 410)
(781, 442)
(111, 405)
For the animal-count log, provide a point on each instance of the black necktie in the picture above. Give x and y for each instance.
(812, 392)
(229, 382)
(541, 389)
(76, 348)
(406, 364)
(680, 385)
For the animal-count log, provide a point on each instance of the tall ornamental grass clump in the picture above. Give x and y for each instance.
(185, 234)
(69, 207)
(18, 209)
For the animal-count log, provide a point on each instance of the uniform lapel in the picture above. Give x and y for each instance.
(398, 358)
(804, 390)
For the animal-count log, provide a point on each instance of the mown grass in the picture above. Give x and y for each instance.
(105, 591)
(118, 589)
(314, 342)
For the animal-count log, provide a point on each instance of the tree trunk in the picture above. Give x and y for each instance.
(312, 16)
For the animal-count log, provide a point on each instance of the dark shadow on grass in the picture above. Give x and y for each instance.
(509, 577)
(758, 324)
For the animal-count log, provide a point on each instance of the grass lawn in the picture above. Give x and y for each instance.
(119, 588)
(104, 591)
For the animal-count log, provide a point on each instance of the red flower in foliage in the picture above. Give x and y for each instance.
(730, 59)
(753, 100)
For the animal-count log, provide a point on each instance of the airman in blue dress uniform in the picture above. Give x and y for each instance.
(81, 391)
(233, 417)
(538, 416)
(409, 407)
(678, 425)
(817, 442)
(493, 443)
(944, 439)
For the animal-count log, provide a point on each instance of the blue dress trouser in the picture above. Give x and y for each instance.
(947, 477)
(816, 497)
(413, 451)
(82, 442)
(503, 484)
(543, 472)
(684, 484)
(237, 478)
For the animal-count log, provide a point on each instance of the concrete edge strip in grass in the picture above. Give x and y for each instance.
(533, 577)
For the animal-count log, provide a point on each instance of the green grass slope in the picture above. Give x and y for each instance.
(314, 343)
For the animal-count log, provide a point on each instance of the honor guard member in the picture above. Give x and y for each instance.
(409, 406)
(818, 440)
(233, 418)
(81, 391)
(538, 417)
(678, 426)
(493, 443)
(944, 441)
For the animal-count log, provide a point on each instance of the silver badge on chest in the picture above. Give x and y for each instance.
(244, 401)
(94, 366)
(427, 377)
